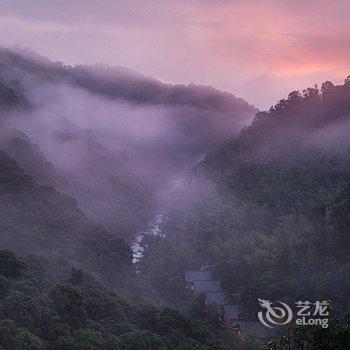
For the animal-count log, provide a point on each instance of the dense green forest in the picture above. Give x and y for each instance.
(269, 211)
(39, 221)
(58, 291)
(81, 314)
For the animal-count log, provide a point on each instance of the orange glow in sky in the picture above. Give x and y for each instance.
(256, 49)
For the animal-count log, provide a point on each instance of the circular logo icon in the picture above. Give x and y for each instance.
(279, 314)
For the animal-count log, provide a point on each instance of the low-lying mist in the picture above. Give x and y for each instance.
(121, 141)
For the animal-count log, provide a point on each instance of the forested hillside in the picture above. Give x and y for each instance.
(29, 156)
(269, 211)
(84, 160)
(118, 141)
(89, 154)
(37, 220)
(79, 314)
(48, 226)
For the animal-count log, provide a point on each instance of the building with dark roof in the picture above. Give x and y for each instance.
(232, 315)
(191, 275)
(199, 284)
(206, 286)
(214, 298)
(232, 312)
(201, 287)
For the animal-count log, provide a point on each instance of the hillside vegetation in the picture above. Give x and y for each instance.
(37, 220)
(80, 314)
(270, 210)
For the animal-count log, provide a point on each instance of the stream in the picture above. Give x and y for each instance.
(154, 229)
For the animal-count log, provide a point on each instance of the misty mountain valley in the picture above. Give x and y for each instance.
(139, 215)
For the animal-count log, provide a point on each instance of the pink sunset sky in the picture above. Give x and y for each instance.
(258, 50)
